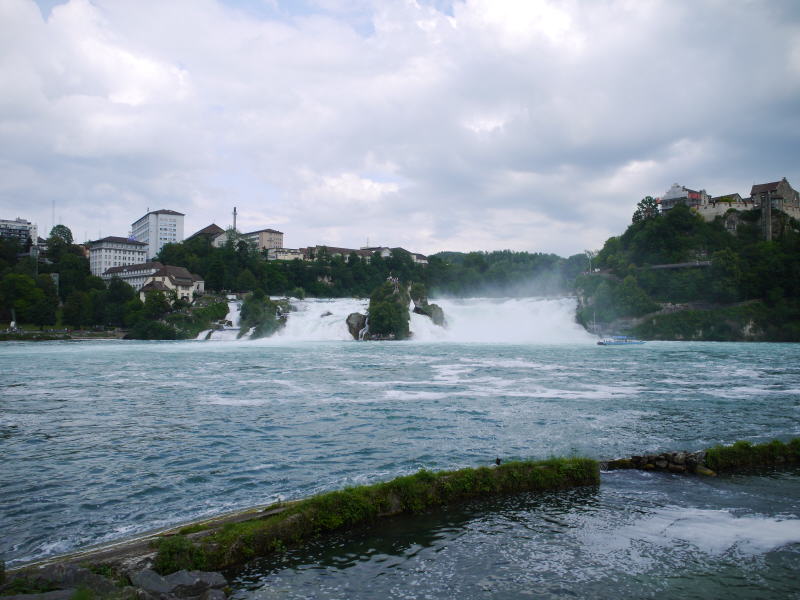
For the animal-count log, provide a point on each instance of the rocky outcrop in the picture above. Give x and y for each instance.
(356, 324)
(432, 311)
(421, 306)
(673, 462)
(64, 580)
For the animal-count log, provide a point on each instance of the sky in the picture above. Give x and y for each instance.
(434, 125)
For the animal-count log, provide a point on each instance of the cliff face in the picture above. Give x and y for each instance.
(742, 322)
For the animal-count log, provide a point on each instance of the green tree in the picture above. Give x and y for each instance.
(77, 310)
(63, 233)
(647, 208)
(18, 294)
(156, 305)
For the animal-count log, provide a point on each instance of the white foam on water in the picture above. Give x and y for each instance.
(714, 532)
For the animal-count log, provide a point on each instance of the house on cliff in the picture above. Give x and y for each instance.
(170, 279)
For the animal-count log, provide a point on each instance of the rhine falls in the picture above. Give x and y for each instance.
(471, 320)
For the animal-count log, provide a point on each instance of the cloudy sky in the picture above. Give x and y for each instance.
(430, 124)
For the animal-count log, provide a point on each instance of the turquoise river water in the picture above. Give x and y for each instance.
(103, 440)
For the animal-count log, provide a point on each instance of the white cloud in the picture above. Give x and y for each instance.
(526, 124)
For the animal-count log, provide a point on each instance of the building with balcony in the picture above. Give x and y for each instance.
(157, 228)
(114, 251)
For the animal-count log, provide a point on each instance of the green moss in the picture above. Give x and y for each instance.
(744, 454)
(25, 585)
(176, 553)
(235, 543)
(197, 527)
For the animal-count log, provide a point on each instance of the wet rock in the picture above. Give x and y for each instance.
(621, 463)
(213, 595)
(679, 458)
(187, 584)
(327, 313)
(661, 464)
(68, 575)
(150, 581)
(181, 584)
(54, 595)
(673, 468)
(432, 311)
(355, 324)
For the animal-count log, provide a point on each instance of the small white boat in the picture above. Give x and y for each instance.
(620, 340)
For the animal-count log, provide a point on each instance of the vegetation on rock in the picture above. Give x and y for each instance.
(284, 525)
(388, 311)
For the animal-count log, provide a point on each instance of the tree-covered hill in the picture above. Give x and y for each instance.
(678, 258)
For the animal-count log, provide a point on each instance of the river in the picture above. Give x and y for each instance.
(101, 440)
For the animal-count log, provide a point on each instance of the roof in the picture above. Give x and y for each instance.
(263, 231)
(118, 240)
(764, 188)
(162, 211)
(165, 211)
(178, 275)
(154, 286)
(210, 230)
(154, 265)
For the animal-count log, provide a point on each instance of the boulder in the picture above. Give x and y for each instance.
(433, 311)
(181, 584)
(355, 324)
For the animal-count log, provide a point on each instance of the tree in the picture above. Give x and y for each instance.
(76, 310)
(63, 233)
(156, 305)
(18, 294)
(647, 208)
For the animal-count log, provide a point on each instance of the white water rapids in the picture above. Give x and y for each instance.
(474, 320)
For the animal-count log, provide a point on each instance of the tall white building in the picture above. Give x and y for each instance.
(20, 230)
(115, 252)
(157, 228)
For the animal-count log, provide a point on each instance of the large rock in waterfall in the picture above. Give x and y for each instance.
(355, 324)
(422, 307)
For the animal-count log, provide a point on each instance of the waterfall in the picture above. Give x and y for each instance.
(481, 320)
(229, 332)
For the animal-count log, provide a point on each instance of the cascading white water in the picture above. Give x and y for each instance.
(487, 320)
(230, 332)
(317, 319)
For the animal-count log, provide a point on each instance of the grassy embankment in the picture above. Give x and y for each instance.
(743, 455)
(199, 547)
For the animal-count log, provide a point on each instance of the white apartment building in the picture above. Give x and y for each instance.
(156, 228)
(115, 252)
(20, 230)
(134, 275)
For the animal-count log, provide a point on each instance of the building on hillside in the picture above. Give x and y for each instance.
(718, 206)
(179, 280)
(19, 229)
(209, 232)
(115, 251)
(157, 228)
(776, 195)
(134, 275)
(284, 254)
(263, 239)
(314, 252)
(678, 194)
(385, 252)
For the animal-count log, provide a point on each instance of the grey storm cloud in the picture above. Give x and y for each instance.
(477, 124)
